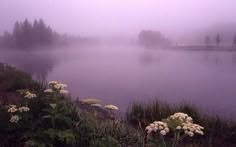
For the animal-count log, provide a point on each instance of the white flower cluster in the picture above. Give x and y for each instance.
(190, 128)
(48, 91)
(12, 109)
(30, 95)
(158, 126)
(185, 124)
(93, 102)
(56, 86)
(90, 101)
(24, 109)
(111, 107)
(14, 119)
(63, 92)
(96, 105)
(181, 117)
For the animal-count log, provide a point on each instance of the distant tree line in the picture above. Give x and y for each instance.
(27, 35)
(217, 40)
(152, 39)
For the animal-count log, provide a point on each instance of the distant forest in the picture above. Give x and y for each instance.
(153, 39)
(27, 35)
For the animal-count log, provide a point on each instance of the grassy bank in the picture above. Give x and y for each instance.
(39, 114)
(31, 116)
(217, 131)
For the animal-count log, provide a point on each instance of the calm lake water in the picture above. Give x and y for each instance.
(121, 75)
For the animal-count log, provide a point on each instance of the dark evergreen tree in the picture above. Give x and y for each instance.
(35, 37)
(26, 35)
(17, 32)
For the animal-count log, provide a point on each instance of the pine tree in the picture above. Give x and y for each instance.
(17, 34)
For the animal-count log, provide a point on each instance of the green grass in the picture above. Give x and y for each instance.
(218, 131)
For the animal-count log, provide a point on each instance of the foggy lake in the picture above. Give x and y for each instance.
(122, 74)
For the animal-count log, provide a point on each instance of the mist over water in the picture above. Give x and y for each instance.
(121, 74)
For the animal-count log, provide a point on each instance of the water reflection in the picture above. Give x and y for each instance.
(123, 74)
(39, 65)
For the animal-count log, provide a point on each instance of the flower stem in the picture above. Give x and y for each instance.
(163, 140)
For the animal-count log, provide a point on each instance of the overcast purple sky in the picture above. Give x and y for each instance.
(93, 17)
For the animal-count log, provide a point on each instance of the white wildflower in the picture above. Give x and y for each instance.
(152, 125)
(190, 127)
(158, 125)
(155, 129)
(179, 116)
(178, 127)
(167, 130)
(189, 119)
(24, 109)
(163, 132)
(190, 134)
(185, 128)
(53, 105)
(184, 123)
(199, 132)
(57, 87)
(149, 129)
(30, 95)
(12, 109)
(90, 101)
(62, 86)
(53, 83)
(63, 92)
(96, 105)
(48, 91)
(14, 119)
(112, 107)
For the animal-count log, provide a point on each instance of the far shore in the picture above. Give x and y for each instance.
(203, 48)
